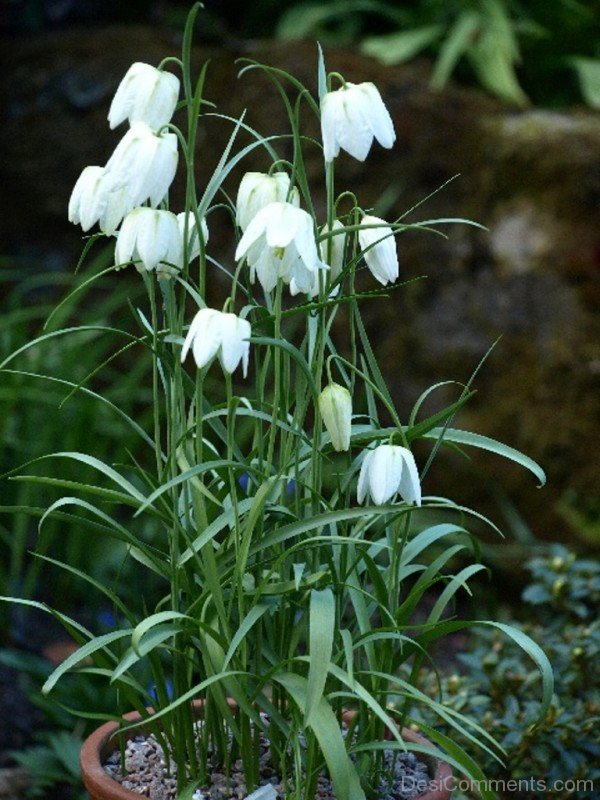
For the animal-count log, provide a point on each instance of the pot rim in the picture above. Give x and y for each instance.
(102, 786)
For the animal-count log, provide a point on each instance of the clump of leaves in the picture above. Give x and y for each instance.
(53, 762)
(515, 50)
(498, 687)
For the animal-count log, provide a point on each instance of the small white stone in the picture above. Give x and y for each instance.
(263, 793)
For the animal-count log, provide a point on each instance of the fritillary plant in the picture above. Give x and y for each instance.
(279, 502)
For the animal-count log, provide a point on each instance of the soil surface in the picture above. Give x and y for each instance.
(146, 774)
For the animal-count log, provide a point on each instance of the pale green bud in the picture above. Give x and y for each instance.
(335, 405)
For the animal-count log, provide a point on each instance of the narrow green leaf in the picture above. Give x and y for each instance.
(327, 731)
(248, 623)
(457, 436)
(97, 643)
(295, 354)
(394, 48)
(457, 582)
(535, 652)
(321, 630)
(454, 47)
(154, 619)
(588, 72)
(321, 73)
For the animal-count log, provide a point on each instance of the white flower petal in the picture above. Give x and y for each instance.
(378, 117)
(191, 334)
(208, 337)
(245, 332)
(329, 112)
(193, 239)
(353, 129)
(126, 239)
(253, 232)
(282, 223)
(232, 348)
(410, 484)
(363, 478)
(379, 249)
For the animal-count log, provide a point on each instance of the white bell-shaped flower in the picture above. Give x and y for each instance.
(144, 163)
(351, 117)
(379, 248)
(151, 238)
(257, 190)
(278, 243)
(95, 199)
(146, 94)
(215, 333)
(193, 238)
(335, 405)
(387, 470)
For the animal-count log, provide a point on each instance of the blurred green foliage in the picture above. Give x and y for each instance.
(542, 51)
(516, 50)
(47, 404)
(496, 684)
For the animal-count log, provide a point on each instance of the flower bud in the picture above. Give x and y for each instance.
(335, 405)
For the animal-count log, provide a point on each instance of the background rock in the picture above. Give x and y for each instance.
(532, 177)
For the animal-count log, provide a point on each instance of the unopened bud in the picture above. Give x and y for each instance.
(335, 405)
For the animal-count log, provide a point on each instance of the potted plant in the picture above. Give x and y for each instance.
(277, 499)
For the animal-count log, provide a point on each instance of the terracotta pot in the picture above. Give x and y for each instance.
(102, 741)
(441, 781)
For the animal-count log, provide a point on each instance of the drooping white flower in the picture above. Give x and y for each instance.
(379, 249)
(332, 252)
(144, 163)
(351, 117)
(257, 190)
(95, 199)
(152, 237)
(146, 94)
(386, 470)
(215, 333)
(193, 238)
(335, 405)
(278, 243)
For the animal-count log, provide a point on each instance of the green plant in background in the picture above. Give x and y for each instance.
(497, 687)
(52, 761)
(48, 404)
(513, 49)
(281, 512)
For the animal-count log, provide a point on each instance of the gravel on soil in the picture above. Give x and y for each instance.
(146, 774)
